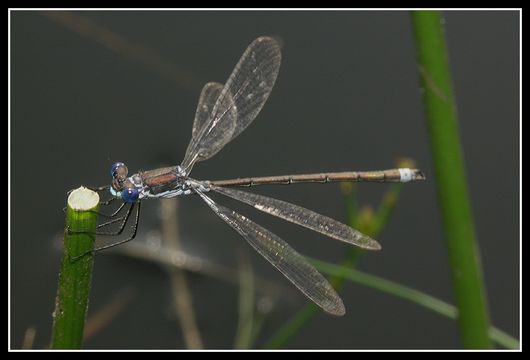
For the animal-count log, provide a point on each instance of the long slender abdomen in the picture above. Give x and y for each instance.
(391, 175)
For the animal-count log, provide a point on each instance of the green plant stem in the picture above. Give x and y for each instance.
(71, 303)
(450, 178)
(246, 313)
(407, 293)
(292, 327)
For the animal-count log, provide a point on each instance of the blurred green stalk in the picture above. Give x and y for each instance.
(407, 293)
(75, 276)
(450, 178)
(245, 325)
(366, 222)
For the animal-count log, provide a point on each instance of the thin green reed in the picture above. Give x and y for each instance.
(450, 178)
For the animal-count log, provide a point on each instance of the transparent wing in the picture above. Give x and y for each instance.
(209, 94)
(302, 216)
(241, 99)
(290, 263)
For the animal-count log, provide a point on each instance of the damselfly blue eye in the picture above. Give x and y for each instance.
(117, 168)
(129, 195)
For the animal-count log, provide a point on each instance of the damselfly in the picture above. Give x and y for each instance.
(223, 112)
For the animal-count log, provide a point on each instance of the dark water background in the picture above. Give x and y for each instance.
(347, 97)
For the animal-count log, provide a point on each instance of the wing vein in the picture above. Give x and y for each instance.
(283, 257)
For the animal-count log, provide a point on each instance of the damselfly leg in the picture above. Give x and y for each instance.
(123, 222)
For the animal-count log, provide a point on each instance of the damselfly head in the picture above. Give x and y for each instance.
(118, 170)
(125, 191)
